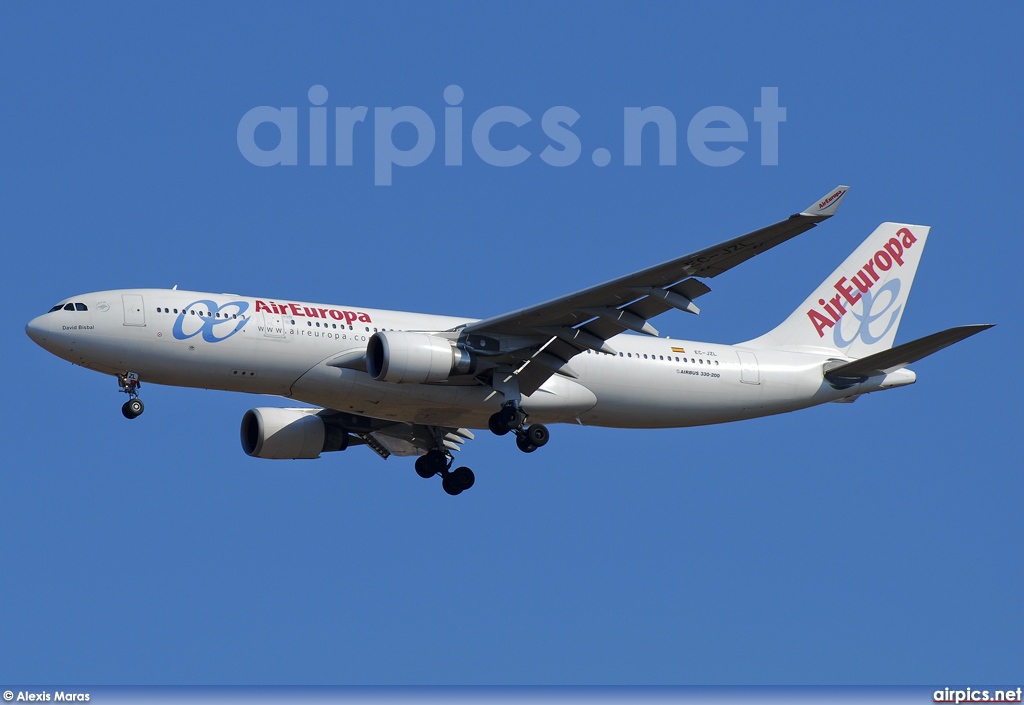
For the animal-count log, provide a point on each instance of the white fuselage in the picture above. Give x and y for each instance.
(264, 346)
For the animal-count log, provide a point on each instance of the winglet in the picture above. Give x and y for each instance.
(827, 206)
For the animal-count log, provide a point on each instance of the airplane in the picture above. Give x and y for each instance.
(411, 384)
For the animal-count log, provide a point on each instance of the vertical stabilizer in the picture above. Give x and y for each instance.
(857, 310)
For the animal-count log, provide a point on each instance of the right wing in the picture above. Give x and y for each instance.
(553, 332)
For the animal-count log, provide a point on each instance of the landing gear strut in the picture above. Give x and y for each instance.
(512, 418)
(129, 384)
(436, 462)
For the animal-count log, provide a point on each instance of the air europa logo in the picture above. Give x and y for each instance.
(824, 204)
(835, 308)
(311, 312)
(215, 322)
(869, 315)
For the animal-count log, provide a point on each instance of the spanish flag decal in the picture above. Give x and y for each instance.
(679, 350)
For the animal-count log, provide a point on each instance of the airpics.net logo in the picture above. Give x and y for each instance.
(716, 136)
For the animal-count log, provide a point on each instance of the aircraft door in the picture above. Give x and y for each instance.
(134, 312)
(273, 325)
(748, 367)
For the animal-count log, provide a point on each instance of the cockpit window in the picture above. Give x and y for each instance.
(69, 307)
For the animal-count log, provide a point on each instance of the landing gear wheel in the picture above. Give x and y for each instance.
(510, 417)
(451, 485)
(524, 444)
(463, 478)
(132, 408)
(537, 435)
(430, 464)
(422, 469)
(498, 428)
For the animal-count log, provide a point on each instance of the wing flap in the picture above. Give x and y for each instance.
(602, 329)
(650, 306)
(386, 438)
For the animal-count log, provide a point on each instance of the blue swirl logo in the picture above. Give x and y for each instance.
(215, 322)
(868, 315)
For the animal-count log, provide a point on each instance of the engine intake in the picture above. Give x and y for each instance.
(414, 358)
(289, 434)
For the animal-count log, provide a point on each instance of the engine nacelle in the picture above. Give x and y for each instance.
(289, 434)
(413, 358)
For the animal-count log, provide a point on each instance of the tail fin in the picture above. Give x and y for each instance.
(857, 310)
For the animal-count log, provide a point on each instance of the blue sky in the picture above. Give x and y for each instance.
(872, 543)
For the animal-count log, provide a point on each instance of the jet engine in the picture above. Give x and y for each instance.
(289, 434)
(413, 358)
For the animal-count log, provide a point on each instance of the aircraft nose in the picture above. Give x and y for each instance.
(37, 330)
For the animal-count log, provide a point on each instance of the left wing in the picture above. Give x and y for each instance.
(387, 438)
(541, 340)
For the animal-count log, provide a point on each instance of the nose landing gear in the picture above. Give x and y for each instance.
(130, 384)
(132, 408)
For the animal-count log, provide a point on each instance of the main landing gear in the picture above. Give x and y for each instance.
(436, 462)
(511, 418)
(129, 384)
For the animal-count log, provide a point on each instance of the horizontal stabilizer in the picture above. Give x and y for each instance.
(902, 355)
